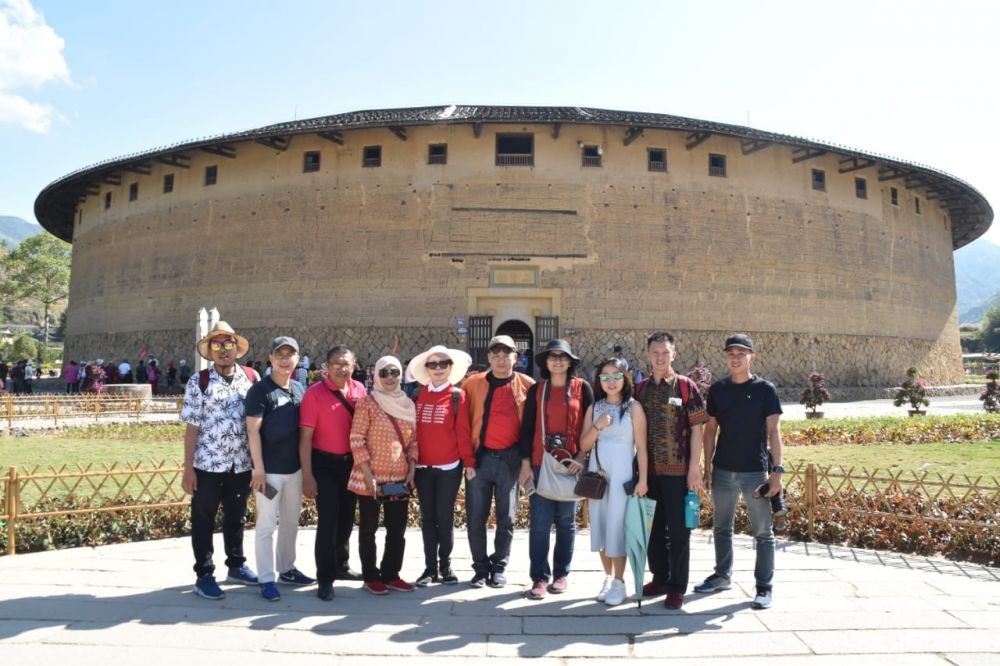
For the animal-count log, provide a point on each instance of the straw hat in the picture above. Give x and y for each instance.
(223, 329)
(460, 362)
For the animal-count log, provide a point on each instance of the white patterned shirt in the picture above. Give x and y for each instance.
(222, 426)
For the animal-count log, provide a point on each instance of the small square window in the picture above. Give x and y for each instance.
(819, 180)
(716, 165)
(133, 191)
(916, 204)
(107, 200)
(893, 196)
(656, 159)
(515, 150)
(372, 156)
(437, 153)
(168, 183)
(310, 161)
(211, 174)
(861, 188)
(592, 156)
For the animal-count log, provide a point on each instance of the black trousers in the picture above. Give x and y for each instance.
(670, 540)
(231, 490)
(335, 508)
(437, 490)
(394, 513)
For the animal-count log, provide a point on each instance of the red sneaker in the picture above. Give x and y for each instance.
(537, 591)
(399, 585)
(674, 600)
(376, 587)
(653, 589)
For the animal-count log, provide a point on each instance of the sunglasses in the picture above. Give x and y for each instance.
(388, 372)
(437, 365)
(614, 376)
(558, 356)
(219, 345)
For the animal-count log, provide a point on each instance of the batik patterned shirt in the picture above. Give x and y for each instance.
(221, 421)
(670, 418)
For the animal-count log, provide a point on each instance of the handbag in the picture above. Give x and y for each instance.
(555, 482)
(593, 485)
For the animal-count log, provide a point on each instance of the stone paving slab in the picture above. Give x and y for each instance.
(95, 605)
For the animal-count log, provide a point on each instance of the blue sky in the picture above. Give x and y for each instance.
(81, 82)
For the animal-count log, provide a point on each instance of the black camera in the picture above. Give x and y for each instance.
(555, 441)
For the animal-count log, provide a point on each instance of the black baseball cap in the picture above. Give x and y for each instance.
(739, 340)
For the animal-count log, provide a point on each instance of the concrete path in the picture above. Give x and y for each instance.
(132, 603)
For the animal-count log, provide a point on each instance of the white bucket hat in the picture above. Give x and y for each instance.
(460, 362)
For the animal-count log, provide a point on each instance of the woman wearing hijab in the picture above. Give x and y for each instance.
(553, 419)
(445, 443)
(384, 445)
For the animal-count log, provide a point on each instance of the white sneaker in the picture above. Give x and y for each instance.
(616, 593)
(604, 588)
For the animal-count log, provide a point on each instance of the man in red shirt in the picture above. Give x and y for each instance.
(325, 418)
(496, 404)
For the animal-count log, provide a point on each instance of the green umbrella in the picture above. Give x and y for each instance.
(638, 525)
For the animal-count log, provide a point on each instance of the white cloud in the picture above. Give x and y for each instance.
(30, 56)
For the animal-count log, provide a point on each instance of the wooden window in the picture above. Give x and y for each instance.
(168, 183)
(133, 191)
(372, 156)
(819, 180)
(716, 165)
(437, 153)
(211, 174)
(592, 156)
(515, 150)
(310, 161)
(861, 188)
(656, 159)
(107, 200)
(893, 196)
(916, 204)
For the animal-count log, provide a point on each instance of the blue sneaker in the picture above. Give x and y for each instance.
(206, 588)
(270, 592)
(243, 575)
(295, 577)
(713, 583)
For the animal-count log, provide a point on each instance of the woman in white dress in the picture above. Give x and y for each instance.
(615, 429)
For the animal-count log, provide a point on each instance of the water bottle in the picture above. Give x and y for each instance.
(691, 506)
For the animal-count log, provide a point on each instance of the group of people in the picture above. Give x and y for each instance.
(18, 377)
(93, 376)
(363, 454)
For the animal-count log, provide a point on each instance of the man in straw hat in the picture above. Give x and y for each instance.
(217, 466)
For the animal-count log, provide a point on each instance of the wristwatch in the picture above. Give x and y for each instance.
(779, 469)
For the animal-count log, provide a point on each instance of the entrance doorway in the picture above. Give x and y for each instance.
(525, 342)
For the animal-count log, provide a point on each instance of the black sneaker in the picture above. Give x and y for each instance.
(763, 599)
(497, 579)
(325, 591)
(347, 573)
(448, 576)
(478, 580)
(426, 578)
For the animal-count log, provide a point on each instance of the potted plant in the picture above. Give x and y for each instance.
(701, 376)
(914, 391)
(991, 394)
(815, 395)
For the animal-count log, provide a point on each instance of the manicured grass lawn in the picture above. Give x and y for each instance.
(962, 458)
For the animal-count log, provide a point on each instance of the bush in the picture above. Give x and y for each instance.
(893, 429)
(913, 390)
(991, 394)
(816, 393)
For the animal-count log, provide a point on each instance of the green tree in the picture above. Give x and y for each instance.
(38, 270)
(24, 347)
(990, 330)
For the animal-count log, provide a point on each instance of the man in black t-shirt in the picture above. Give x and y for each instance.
(743, 411)
(272, 411)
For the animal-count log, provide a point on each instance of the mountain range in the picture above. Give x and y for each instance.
(13, 230)
(977, 279)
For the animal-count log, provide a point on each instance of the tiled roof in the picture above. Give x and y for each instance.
(970, 213)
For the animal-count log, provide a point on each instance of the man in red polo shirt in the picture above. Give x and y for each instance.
(325, 418)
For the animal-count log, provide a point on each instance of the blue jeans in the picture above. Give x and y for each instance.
(726, 489)
(496, 479)
(545, 512)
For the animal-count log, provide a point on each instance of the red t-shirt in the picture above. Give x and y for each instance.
(443, 437)
(503, 428)
(322, 411)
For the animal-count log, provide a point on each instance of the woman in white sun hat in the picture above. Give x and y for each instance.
(444, 443)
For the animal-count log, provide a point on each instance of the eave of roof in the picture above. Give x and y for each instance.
(970, 212)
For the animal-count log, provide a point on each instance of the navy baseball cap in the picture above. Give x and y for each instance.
(739, 340)
(284, 341)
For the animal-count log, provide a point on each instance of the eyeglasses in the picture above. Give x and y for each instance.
(219, 345)
(388, 372)
(284, 356)
(438, 365)
(558, 357)
(500, 351)
(614, 376)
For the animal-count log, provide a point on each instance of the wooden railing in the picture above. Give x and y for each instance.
(515, 159)
(85, 405)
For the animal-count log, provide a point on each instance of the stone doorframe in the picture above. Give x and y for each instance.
(503, 303)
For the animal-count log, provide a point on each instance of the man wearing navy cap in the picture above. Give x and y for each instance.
(743, 411)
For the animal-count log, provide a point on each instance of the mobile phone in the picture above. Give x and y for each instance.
(528, 488)
(762, 490)
(391, 489)
(270, 492)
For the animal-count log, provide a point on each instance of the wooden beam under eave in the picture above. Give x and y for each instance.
(180, 161)
(631, 134)
(280, 143)
(803, 154)
(888, 173)
(142, 168)
(399, 132)
(849, 164)
(556, 127)
(753, 145)
(221, 150)
(335, 137)
(112, 178)
(695, 139)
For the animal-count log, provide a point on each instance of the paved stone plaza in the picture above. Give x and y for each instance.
(132, 603)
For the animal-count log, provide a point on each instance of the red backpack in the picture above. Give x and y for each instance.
(203, 377)
(685, 390)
